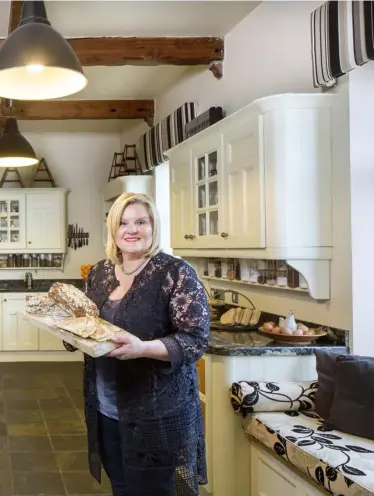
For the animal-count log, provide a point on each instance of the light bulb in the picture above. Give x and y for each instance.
(35, 67)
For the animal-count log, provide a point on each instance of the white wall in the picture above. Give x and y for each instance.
(269, 53)
(361, 105)
(79, 156)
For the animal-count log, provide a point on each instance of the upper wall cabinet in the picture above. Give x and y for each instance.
(33, 220)
(258, 183)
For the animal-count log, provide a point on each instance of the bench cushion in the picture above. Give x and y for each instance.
(341, 463)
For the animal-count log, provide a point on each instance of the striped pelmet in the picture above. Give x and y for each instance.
(342, 36)
(167, 134)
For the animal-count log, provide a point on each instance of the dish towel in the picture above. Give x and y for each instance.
(342, 37)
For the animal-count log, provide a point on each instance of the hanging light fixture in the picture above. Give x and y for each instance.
(36, 62)
(15, 150)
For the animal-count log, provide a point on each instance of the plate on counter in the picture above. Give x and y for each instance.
(217, 326)
(291, 339)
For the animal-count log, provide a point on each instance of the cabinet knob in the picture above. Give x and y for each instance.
(29, 242)
(186, 236)
(191, 236)
(224, 235)
(4, 300)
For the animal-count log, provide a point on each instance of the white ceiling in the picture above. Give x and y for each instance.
(139, 18)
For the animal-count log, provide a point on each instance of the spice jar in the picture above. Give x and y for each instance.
(293, 278)
(42, 261)
(253, 271)
(282, 272)
(244, 269)
(217, 268)
(34, 260)
(57, 261)
(26, 260)
(262, 267)
(10, 261)
(271, 274)
(230, 269)
(224, 268)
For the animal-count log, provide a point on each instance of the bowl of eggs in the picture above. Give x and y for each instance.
(291, 332)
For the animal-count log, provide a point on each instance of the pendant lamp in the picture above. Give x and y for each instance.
(15, 150)
(36, 62)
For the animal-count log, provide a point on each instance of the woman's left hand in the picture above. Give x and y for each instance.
(132, 347)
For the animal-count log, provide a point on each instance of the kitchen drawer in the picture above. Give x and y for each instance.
(201, 374)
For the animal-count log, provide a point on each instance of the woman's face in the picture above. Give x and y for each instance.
(134, 234)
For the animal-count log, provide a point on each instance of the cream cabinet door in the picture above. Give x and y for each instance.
(17, 334)
(45, 225)
(243, 184)
(182, 233)
(12, 221)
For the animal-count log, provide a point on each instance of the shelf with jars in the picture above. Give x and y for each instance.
(311, 277)
(33, 261)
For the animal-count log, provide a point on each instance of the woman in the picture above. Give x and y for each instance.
(142, 405)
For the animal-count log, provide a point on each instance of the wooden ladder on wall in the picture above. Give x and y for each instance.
(121, 161)
(43, 170)
(4, 178)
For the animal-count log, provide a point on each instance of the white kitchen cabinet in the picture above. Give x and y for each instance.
(45, 220)
(33, 220)
(17, 334)
(181, 203)
(243, 180)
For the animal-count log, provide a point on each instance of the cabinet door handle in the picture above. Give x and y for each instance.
(29, 242)
(186, 236)
(4, 300)
(191, 236)
(224, 235)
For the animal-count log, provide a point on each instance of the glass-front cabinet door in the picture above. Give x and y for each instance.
(12, 221)
(207, 189)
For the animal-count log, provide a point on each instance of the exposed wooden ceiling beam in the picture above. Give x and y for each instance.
(147, 51)
(14, 14)
(79, 109)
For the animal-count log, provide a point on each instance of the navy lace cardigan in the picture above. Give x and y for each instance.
(161, 421)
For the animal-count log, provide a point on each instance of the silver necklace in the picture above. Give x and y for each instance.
(133, 271)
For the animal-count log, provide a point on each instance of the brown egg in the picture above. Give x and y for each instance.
(286, 331)
(298, 332)
(302, 327)
(276, 330)
(268, 326)
(308, 333)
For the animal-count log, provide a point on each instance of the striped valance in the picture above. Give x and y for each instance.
(166, 134)
(342, 34)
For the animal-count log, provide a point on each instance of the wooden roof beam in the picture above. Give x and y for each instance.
(78, 109)
(148, 51)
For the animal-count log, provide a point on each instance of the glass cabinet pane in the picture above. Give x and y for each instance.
(3, 207)
(212, 163)
(14, 221)
(213, 222)
(3, 222)
(213, 193)
(3, 236)
(14, 236)
(202, 224)
(14, 206)
(201, 197)
(201, 168)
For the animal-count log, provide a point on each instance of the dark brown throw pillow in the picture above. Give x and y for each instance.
(353, 407)
(327, 370)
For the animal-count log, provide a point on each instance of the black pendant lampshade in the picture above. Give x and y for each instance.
(15, 150)
(36, 62)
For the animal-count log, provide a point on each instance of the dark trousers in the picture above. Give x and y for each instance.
(111, 455)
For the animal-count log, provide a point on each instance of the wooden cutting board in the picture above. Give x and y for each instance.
(88, 346)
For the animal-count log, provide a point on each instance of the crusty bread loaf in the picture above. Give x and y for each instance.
(90, 327)
(43, 305)
(73, 300)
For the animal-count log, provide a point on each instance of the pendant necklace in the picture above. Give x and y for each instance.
(133, 271)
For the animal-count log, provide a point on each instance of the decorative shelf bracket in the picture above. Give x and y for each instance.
(317, 275)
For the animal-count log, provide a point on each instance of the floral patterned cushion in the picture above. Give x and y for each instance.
(341, 463)
(249, 396)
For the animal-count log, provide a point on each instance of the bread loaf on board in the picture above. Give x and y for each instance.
(72, 299)
(43, 305)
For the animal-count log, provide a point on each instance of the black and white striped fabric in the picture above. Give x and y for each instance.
(342, 35)
(166, 134)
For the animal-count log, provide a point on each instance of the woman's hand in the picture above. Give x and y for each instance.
(132, 347)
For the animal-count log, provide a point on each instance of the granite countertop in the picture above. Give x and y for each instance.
(255, 344)
(38, 286)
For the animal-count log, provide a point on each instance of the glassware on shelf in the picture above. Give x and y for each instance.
(14, 206)
(49, 260)
(201, 197)
(213, 193)
(42, 261)
(11, 261)
(212, 163)
(14, 237)
(302, 282)
(244, 269)
(26, 260)
(210, 267)
(201, 168)
(237, 269)
(262, 268)
(3, 222)
(34, 260)
(14, 222)
(19, 260)
(202, 224)
(3, 261)
(57, 261)
(293, 278)
(230, 269)
(217, 268)
(224, 268)
(253, 271)
(213, 222)
(3, 236)
(282, 272)
(271, 273)
(3, 207)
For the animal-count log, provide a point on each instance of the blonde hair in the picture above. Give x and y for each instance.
(113, 222)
